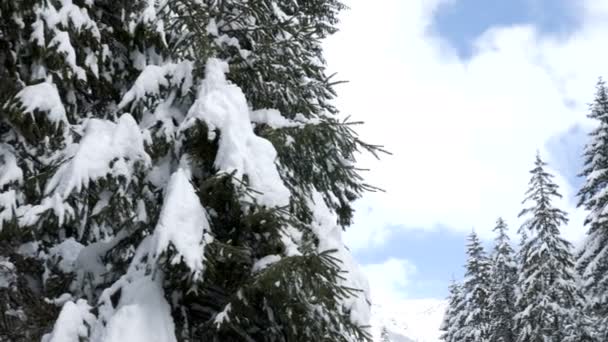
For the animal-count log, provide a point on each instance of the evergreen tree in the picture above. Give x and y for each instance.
(176, 167)
(504, 278)
(548, 298)
(476, 286)
(592, 260)
(453, 320)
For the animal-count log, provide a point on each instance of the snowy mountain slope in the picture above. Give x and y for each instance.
(411, 320)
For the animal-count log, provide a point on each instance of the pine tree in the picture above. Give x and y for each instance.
(504, 278)
(476, 286)
(453, 320)
(177, 168)
(592, 260)
(550, 303)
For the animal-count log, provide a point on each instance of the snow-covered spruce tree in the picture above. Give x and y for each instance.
(476, 288)
(173, 170)
(504, 279)
(548, 301)
(592, 260)
(453, 319)
(519, 302)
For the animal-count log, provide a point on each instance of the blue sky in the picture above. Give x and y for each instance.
(440, 254)
(463, 93)
(461, 21)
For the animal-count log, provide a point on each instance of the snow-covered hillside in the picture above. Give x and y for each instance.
(412, 320)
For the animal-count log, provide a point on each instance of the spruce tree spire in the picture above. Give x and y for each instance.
(502, 296)
(549, 302)
(476, 286)
(592, 260)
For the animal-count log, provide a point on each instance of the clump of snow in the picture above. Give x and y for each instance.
(104, 200)
(167, 114)
(62, 43)
(183, 223)
(29, 249)
(17, 19)
(274, 119)
(142, 315)
(222, 317)
(221, 39)
(265, 262)
(28, 214)
(160, 173)
(65, 254)
(91, 62)
(330, 237)
(69, 13)
(37, 35)
(149, 16)
(142, 216)
(61, 300)
(73, 323)
(89, 261)
(43, 97)
(222, 106)
(9, 170)
(89, 264)
(291, 238)
(104, 142)
(7, 273)
(153, 77)
(19, 314)
(8, 205)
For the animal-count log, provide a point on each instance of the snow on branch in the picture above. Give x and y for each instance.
(223, 107)
(9, 170)
(274, 119)
(73, 323)
(142, 315)
(153, 77)
(183, 223)
(106, 148)
(330, 239)
(43, 97)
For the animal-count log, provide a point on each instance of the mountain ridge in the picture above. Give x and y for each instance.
(408, 320)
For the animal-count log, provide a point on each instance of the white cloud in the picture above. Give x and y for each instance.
(388, 280)
(463, 133)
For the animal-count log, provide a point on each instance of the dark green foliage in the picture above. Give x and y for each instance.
(592, 260)
(321, 167)
(274, 53)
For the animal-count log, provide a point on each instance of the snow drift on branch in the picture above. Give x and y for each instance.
(103, 143)
(222, 106)
(183, 223)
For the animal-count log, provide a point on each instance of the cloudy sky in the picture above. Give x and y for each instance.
(463, 93)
